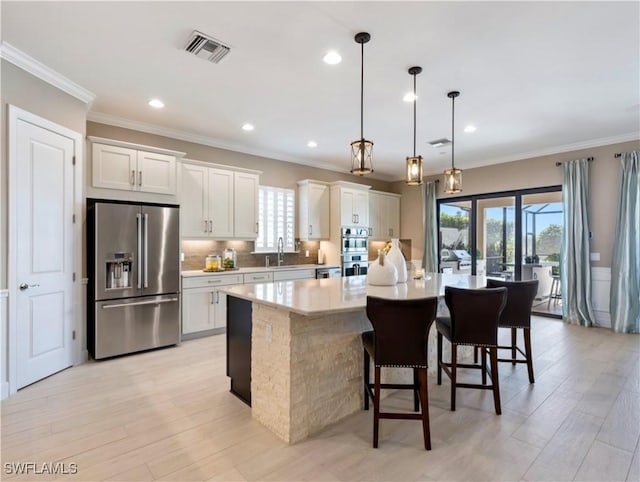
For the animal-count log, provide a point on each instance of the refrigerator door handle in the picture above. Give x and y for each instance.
(151, 302)
(139, 225)
(146, 250)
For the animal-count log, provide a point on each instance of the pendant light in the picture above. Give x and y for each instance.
(453, 176)
(361, 149)
(414, 163)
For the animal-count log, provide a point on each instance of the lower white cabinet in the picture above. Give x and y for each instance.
(204, 306)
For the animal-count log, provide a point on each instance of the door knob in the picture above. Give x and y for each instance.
(25, 286)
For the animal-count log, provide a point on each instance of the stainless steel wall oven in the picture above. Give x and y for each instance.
(354, 250)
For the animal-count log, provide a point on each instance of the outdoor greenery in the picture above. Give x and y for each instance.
(549, 240)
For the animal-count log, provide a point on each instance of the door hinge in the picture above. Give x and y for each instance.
(73, 335)
(74, 277)
(73, 160)
(74, 219)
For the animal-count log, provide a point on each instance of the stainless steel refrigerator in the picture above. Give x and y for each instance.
(133, 265)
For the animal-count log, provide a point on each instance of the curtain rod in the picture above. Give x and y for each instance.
(588, 159)
(617, 154)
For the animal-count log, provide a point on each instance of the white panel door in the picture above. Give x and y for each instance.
(220, 203)
(114, 167)
(376, 216)
(196, 310)
(318, 211)
(194, 201)
(347, 203)
(219, 309)
(156, 173)
(361, 207)
(245, 204)
(44, 252)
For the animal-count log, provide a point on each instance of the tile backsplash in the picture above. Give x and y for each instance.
(195, 252)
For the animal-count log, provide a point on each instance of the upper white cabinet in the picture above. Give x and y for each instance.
(207, 201)
(217, 202)
(313, 209)
(245, 216)
(133, 167)
(384, 215)
(350, 204)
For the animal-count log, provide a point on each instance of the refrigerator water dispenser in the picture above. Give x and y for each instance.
(118, 270)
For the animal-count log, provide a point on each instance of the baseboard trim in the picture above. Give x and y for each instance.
(202, 334)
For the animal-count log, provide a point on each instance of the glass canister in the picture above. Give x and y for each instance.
(229, 259)
(212, 262)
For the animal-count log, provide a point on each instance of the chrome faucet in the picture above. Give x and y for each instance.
(280, 251)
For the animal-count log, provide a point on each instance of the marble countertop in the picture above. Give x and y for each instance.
(340, 295)
(256, 269)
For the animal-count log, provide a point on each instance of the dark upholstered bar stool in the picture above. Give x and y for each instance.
(473, 321)
(398, 339)
(517, 314)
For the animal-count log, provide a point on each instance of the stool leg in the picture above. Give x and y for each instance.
(514, 339)
(424, 400)
(475, 354)
(366, 379)
(439, 363)
(483, 361)
(376, 406)
(527, 350)
(454, 363)
(551, 292)
(416, 402)
(494, 379)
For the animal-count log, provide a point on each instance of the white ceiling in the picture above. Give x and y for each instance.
(535, 77)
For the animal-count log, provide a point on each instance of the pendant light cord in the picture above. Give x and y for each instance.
(415, 101)
(453, 134)
(362, 91)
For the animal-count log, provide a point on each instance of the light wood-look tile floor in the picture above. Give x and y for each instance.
(168, 415)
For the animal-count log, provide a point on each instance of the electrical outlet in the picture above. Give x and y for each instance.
(306, 253)
(182, 257)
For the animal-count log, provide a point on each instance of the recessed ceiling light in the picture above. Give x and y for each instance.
(470, 128)
(409, 97)
(247, 127)
(332, 58)
(312, 144)
(156, 103)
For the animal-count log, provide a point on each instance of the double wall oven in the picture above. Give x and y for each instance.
(354, 250)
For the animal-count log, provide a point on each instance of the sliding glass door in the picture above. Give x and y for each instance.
(511, 235)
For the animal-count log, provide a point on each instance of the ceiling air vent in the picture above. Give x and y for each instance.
(440, 142)
(206, 47)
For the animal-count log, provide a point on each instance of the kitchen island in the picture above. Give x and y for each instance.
(294, 351)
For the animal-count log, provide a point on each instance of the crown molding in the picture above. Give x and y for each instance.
(112, 120)
(27, 63)
(549, 151)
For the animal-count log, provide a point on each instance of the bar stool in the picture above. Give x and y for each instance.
(517, 314)
(473, 321)
(398, 339)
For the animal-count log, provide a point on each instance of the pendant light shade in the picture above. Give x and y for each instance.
(453, 176)
(361, 149)
(414, 163)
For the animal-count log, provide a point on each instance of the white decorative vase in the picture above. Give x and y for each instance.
(395, 257)
(381, 272)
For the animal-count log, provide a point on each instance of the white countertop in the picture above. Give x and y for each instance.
(256, 269)
(339, 295)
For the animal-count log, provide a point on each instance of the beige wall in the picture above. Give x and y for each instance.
(274, 173)
(604, 175)
(25, 91)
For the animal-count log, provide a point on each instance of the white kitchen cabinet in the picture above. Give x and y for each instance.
(313, 210)
(384, 216)
(207, 202)
(132, 167)
(204, 307)
(350, 203)
(245, 195)
(217, 202)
